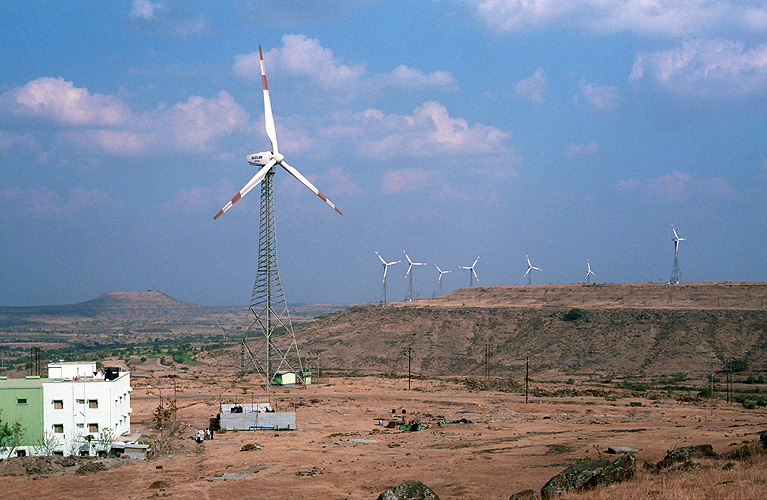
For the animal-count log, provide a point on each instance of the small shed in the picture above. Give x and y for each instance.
(284, 378)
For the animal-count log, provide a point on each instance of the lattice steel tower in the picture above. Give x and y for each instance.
(271, 330)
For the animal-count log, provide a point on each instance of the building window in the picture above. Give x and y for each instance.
(21, 401)
(93, 403)
(80, 401)
(58, 428)
(93, 427)
(58, 404)
(81, 426)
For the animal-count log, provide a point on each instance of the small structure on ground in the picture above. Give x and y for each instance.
(254, 416)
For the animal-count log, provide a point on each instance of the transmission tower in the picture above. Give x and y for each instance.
(271, 331)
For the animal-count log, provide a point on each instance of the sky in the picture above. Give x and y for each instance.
(448, 128)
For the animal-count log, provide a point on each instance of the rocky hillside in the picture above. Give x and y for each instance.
(623, 329)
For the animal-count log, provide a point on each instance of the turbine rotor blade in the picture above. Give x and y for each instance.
(475, 262)
(303, 180)
(379, 256)
(250, 185)
(270, 131)
(475, 274)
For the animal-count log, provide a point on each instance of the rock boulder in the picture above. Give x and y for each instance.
(589, 474)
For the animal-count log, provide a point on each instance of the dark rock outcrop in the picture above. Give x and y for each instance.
(589, 474)
(684, 454)
(525, 495)
(409, 490)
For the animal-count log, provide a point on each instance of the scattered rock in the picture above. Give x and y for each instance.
(525, 495)
(728, 466)
(159, 485)
(589, 474)
(621, 449)
(442, 421)
(409, 490)
(310, 472)
(250, 446)
(684, 454)
(743, 452)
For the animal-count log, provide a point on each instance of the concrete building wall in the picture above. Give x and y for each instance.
(74, 409)
(258, 420)
(71, 370)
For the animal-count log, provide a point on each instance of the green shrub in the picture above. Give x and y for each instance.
(574, 314)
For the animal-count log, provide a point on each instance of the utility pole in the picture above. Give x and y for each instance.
(409, 351)
(527, 375)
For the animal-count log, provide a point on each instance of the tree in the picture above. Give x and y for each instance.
(106, 439)
(48, 443)
(10, 435)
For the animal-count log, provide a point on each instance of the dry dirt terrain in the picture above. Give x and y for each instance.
(339, 451)
(579, 403)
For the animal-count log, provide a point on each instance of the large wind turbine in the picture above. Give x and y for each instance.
(267, 302)
(676, 272)
(472, 271)
(441, 291)
(409, 273)
(386, 267)
(530, 267)
(589, 272)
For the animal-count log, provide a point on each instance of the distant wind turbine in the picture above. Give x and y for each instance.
(409, 273)
(472, 271)
(589, 272)
(439, 279)
(676, 272)
(386, 267)
(530, 267)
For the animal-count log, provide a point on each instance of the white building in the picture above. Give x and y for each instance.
(79, 401)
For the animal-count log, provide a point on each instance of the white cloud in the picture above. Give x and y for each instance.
(706, 68)
(412, 78)
(575, 150)
(419, 180)
(43, 202)
(11, 140)
(406, 180)
(678, 186)
(103, 123)
(197, 122)
(304, 56)
(200, 198)
(59, 100)
(666, 18)
(429, 132)
(603, 98)
(144, 9)
(533, 89)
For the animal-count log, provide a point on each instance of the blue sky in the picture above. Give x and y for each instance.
(449, 128)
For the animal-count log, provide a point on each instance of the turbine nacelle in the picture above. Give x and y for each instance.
(261, 159)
